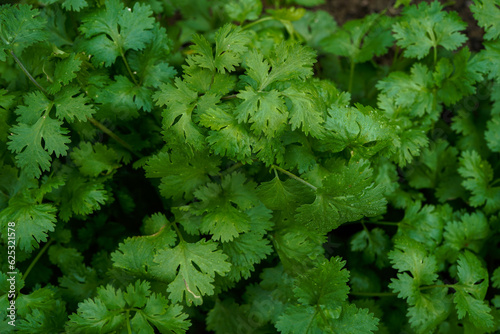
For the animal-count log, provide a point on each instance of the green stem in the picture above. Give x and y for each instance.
(257, 22)
(37, 257)
(232, 168)
(373, 294)
(110, 133)
(295, 177)
(436, 286)
(28, 74)
(92, 120)
(178, 232)
(351, 75)
(129, 329)
(128, 68)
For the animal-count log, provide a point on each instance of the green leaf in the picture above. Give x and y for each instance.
(188, 281)
(110, 311)
(33, 221)
(288, 61)
(224, 207)
(285, 196)
(307, 111)
(456, 79)
(412, 92)
(492, 134)
(266, 111)
(325, 285)
(478, 177)
(181, 175)
(362, 130)
(136, 254)
(347, 194)
(228, 138)
(243, 10)
(374, 244)
(36, 126)
(249, 248)
(74, 5)
(487, 13)
(178, 116)
(81, 197)
(362, 39)
(409, 255)
(230, 44)
(65, 71)
(96, 159)
(114, 30)
(70, 104)
(20, 27)
(471, 290)
(427, 26)
(468, 233)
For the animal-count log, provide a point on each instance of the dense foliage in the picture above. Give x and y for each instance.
(240, 167)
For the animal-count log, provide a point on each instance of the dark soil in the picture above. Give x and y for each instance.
(346, 10)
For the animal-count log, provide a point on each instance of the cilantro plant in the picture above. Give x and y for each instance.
(248, 167)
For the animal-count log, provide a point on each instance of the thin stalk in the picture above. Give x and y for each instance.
(128, 68)
(129, 329)
(256, 22)
(28, 74)
(232, 168)
(295, 177)
(436, 286)
(92, 120)
(178, 231)
(37, 257)
(110, 133)
(351, 75)
(373, 294)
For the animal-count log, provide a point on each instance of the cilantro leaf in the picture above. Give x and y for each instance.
(492, 134)
(81, 197)
(178, 116)
(65, 71)
(180, 175)
(457, 80)
(468, 233)
(136, 254)
(224, 207)
(243, 10)
(427, 26)
(113, 31)
(471, 290)
(361, 39)
(36, 126)
(95, 159)
(229, 138)
(230, 44)
(361, 130)
(251, 247)
(70, 104)
(307, 111)
(347, 194)
(412, 92)
(265, 110)
(324, 285)
(288, 61)
(33, 220)
(188, 281)
(20, 27)
(478, 177)
(374, 244)
(109, 311)
(486, 13)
